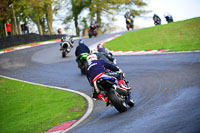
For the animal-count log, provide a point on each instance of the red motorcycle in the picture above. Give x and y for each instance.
(92, 31)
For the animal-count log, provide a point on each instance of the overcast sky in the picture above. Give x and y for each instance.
(179, 9)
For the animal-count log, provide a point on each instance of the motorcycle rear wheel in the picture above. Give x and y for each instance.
(116, 101)
(132, 27)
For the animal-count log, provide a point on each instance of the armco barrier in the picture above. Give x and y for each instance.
(14, 40)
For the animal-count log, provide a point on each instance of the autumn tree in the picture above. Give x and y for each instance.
(37, 11)
(3, 16)
(49, 17)
(51, 7)
(76, 7)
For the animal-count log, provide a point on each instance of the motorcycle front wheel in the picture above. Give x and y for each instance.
(90, 33)
(128, 26)
(63, 54)
(131, 103)
(116, 101)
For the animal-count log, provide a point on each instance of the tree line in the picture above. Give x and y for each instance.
(41, 12)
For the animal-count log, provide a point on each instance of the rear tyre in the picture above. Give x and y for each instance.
(117, 102)
(132, 27)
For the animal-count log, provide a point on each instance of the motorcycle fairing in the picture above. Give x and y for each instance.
(83, 57)
(112, 79)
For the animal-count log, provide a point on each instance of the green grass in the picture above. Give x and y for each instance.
(177, 36)
(28, 108)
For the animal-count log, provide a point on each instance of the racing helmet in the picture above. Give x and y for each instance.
(91, 57)
(81, 41)
(100, 46)
(166, 14)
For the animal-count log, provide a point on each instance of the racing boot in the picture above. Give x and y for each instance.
(95, 96)
(101, 97)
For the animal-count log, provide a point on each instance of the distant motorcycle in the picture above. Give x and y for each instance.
(109, 88)
(169, 19)
(66, 45)
(92, 31)
(129, 24)
(82, 62)
(157, 21)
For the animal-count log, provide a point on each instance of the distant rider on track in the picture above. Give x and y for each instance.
(104, 54)
(67, 40)
(81, 49)
(128, 15)
(168, 17)
(156, 19)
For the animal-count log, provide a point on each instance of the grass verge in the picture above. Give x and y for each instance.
(177, 36)
(28, 108)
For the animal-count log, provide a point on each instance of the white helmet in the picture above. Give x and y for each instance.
(91, 57)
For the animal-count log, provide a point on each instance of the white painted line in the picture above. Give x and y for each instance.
(24, 47)
(89, 101)
(1, 52)
(47, 42)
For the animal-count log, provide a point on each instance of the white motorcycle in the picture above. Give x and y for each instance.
(66, 45)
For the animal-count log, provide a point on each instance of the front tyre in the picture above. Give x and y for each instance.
(90, 33)
(83, 71)
(117, 102)
(63, 54)
(131, 103)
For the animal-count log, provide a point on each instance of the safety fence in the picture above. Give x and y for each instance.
(14, 40)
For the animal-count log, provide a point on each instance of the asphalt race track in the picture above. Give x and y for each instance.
(166, 87)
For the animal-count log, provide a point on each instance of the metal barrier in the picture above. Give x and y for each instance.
(14, 40)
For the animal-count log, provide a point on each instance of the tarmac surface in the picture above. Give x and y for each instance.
(166, 87)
